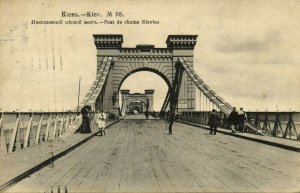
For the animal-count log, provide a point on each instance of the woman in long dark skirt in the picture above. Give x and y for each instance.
(85, 126)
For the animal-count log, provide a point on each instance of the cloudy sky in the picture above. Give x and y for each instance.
(247, 51)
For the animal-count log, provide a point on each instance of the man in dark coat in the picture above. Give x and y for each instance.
(214, 122)
(233, 120)
(147, 114)
(241, 119)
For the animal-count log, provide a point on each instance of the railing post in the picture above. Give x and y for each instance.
(55, 125)
(3, 148)
(13, 136)
(257, 123)
(1, 120)
(266, 125)
(72, 118)
(289, 127)
(47, 128)
(293, 126)
(61, 124)
(203, 118)
(37, 137)
(277, 125)
(26, 137)
(67, 122)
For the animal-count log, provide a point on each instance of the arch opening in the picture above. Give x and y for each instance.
(139, 82)
(149, 70)
(136, 106)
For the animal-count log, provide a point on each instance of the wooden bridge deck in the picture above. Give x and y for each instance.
(138, 155)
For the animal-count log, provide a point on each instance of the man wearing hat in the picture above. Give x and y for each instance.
(214, 122)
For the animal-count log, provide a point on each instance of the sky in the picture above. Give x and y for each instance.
(246, 51)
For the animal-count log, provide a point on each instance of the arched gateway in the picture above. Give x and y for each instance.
(141, 102)
(115, 63)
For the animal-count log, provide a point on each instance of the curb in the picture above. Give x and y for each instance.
(279, 145)
(48, 161)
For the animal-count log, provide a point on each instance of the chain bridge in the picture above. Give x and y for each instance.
(171, 152)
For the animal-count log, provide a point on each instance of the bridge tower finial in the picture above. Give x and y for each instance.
(187, 42)
(108, 41)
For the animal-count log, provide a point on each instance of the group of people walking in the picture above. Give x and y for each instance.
(100, 119)
(236, 121)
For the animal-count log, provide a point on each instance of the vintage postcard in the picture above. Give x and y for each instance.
(149, 96)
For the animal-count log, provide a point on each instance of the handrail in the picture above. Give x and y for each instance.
(24, 129)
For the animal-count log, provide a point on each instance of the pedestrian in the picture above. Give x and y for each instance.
(147, 114)
(241, 119)
(214, 122)
(85, 124)
(232, 120)
(154, 114)
(101, 118)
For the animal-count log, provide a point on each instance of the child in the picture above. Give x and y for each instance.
(101, 118)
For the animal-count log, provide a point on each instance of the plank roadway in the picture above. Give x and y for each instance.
(139, 156)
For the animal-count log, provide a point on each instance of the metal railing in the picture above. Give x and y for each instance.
(277, 124)
(20, 130)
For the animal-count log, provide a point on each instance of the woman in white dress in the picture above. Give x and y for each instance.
(101, 118)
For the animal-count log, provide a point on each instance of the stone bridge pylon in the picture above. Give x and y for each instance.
(115, 63)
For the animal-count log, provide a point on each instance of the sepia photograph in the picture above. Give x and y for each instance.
(149, 96)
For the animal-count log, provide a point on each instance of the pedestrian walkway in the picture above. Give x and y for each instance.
(32, 158)
(274, 141)
(139, 156)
